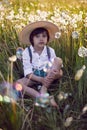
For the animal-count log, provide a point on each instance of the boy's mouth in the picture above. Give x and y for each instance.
(41, 42)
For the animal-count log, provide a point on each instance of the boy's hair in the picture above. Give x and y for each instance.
(38, 31)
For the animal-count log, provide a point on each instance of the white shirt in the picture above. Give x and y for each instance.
(38, 61)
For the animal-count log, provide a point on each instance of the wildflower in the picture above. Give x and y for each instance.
(68, 121)
(3, 25)
(75, 35)
(12, 58)
(60, 96)
(82, 51)
(84, 109)
(1, 98)
(80, 73)
(18, 27)
(85, 25)
(1, 7)
(74, 25)
(57, 35)
(66, 107)
(31, 4)
(6, 99)
(63, 95)
(27, 9)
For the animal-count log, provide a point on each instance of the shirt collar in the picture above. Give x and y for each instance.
(34, 50)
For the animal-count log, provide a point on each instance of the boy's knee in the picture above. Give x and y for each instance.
(24, 81)
(19, 81)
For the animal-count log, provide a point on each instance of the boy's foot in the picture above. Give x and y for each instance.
(53, 102)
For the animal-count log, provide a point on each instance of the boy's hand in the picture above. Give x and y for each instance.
(45, 81)
(55, 74)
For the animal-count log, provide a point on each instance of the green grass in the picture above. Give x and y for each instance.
(66, 47)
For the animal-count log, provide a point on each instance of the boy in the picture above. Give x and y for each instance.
(41, 69)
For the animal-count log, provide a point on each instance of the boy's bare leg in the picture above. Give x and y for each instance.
(28, 90)
(31, 92)
(53, 102)
(43, 90)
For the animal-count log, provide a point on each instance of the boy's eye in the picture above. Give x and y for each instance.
(37, 35)
(44, 35)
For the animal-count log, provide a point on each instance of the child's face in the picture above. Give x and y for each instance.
(40, 40)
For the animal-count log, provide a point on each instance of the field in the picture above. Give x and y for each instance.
(70, 44)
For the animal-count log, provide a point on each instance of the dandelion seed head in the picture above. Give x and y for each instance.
(75, 35)
(68, 121)
(12, 58)
(82, 51)
(60, 96)
(83, 67)
(84, 109)
(57, 35)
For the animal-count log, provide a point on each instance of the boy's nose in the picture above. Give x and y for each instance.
(41, 38)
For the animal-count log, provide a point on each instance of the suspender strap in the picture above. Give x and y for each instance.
(48, 53)
(30, 54)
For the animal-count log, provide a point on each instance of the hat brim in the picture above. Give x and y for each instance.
(25, 33)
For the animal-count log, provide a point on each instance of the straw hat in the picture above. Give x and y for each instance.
(25, 33)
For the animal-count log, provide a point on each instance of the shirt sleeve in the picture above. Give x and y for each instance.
(27, 66)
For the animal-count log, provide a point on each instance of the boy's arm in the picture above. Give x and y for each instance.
(35, 78)
(27, 66)
(39, 79)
